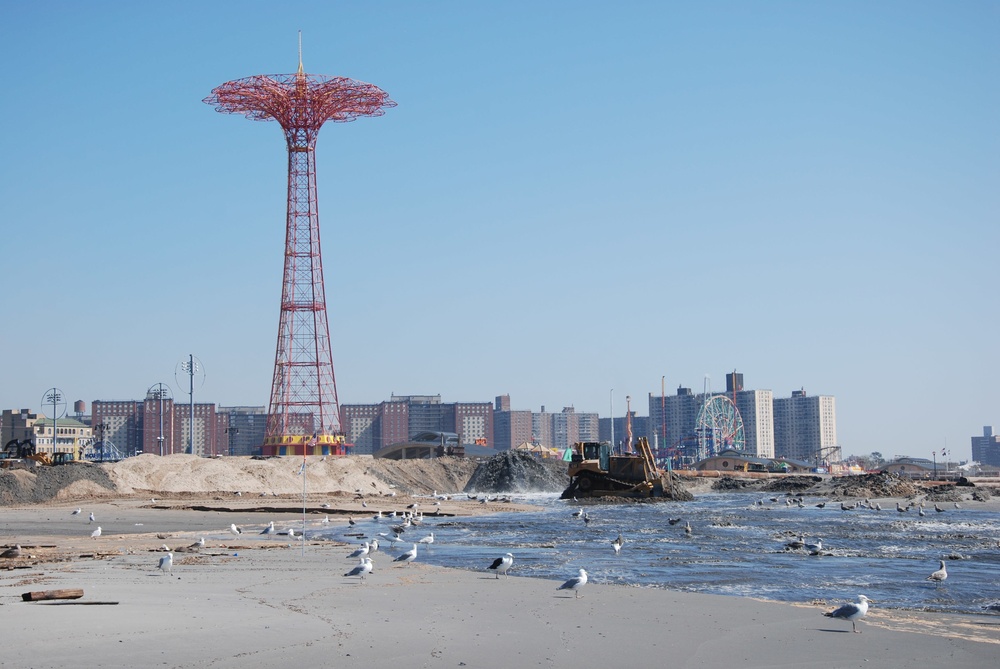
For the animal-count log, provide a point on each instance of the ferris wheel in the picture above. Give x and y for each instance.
(719, 427)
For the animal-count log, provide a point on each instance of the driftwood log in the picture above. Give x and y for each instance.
(70, 593)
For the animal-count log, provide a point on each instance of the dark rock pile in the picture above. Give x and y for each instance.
(873, 485)
(516, 471)
(41, 484)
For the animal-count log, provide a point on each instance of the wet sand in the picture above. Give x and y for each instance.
(253, 601)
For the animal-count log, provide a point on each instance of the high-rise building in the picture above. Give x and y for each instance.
(119, 423)
(240, 430)
(805, 428)
(986, 449)
(510, 428)
(756, 410)
(372, 427)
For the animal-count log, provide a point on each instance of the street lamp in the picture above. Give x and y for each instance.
(160, 392)
(231, 431)
(54, 396)
(934, 455)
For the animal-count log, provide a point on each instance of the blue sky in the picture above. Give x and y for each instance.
(571, 197)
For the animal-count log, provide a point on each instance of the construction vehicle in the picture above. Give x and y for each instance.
(23, 452)
(595, 471)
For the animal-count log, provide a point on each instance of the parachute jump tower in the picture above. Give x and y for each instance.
(303, 417)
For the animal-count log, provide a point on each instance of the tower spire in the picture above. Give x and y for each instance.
(300, 53)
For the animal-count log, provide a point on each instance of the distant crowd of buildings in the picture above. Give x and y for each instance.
(800, 427)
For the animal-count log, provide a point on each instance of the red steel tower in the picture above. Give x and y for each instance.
(303, 416)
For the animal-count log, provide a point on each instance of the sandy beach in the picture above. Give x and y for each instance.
(254, 601)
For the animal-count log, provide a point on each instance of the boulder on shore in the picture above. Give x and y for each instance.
(517, 471)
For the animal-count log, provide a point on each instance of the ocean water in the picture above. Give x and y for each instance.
(736, 548)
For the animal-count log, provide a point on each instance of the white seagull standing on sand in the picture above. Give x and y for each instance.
(408, 556)
(77, 512)
(575, 583)
(235, 530)
(166, 562)
(373, 546)
(361, 552)
(363, 569)
(853, 612)
(96, 533)
(91, 518)
(269, 529)
(940, 575)
(503, 564)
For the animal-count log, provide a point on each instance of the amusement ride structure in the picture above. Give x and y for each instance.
(303, 416)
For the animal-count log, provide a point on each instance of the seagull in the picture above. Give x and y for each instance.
(577, 514)
(408, 556)
(920, 512)
(796, 543)
(852, 612)
(269, 529)
(673, 521)
(166, 562)
(361, 552)
(617, 544)
(503, 564)
(91, 518)
(957, 505)
(940, 575)
(200, 543)
(902, 509)
(373, 546)
(350, 521)
(326, 519)
(96, 533)
(938, 509)
(575, 583)
(235, 530)
(429, 539)
(15, 552)
(814, 549)
(821, 505)
(77, 512)
(362, 569)
(687, 527)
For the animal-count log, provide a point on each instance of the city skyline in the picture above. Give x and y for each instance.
(569, 198)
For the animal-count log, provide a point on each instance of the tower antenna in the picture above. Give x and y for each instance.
(301, 71)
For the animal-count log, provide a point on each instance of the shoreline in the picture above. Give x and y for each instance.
(252, 601)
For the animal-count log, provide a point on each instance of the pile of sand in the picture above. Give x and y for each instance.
(180, 473)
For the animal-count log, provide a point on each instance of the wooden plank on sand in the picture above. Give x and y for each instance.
(69, 593)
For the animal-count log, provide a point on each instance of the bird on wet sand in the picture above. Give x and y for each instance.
(361, 552)
(269, 529)
(939, 575)
(429, 539)
(77, 512)
(11, 553)
(235, 530)
(575, 583)
(96, 533)
(853, 612)
(91, 518)
(166, 563)
(618, 543)
(408, 556)
(503, 564)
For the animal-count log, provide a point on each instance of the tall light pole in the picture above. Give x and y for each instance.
(231, 431)
(612, 420)
(190, 368)
(54, 396)
(160, 391)
(628, 423)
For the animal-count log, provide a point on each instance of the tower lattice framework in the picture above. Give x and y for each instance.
(303, 415)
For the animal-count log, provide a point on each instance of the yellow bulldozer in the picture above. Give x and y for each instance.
(596, 471)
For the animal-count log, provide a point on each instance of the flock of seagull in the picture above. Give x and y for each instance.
(502, 565)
